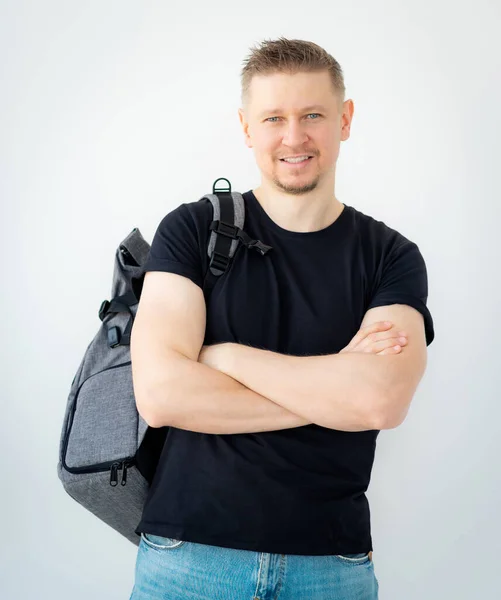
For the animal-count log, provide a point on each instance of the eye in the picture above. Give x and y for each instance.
(317, 114)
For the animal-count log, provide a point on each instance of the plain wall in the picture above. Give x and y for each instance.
(114, 113)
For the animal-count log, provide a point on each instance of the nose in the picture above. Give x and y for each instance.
(294, 135)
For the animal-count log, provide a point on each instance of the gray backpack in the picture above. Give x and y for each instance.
(108, 454)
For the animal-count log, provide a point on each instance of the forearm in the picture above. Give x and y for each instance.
(339, 391)
(198, 398)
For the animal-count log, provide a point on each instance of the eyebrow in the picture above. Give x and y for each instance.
(305, 109)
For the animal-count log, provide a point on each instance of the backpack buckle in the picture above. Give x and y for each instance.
(259, 246)
(225, 229)
(219, 262)
(103, 309)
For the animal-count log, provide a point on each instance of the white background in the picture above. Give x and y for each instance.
(114, 113)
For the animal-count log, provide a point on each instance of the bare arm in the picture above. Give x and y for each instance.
(339, 391)
(171, 387)
(199, 398)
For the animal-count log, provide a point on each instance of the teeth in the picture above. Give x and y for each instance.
(295, 160)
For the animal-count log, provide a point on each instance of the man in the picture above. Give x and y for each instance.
(275, 392)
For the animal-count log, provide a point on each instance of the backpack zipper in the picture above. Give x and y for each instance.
(114, 472)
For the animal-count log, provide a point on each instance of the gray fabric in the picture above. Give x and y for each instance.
(239, 207)
(102, 413)
(136, 245)
(101, 423)
(106, 414)
(119, 507)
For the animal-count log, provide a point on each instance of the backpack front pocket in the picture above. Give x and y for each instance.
(103, 424)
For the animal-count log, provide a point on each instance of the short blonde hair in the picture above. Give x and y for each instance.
(290, 56)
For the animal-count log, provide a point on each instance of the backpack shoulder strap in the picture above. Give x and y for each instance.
(226, 232)
(228, 216)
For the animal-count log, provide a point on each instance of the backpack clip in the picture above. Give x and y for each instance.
(103, 309)
(234, 232)
(259, 246)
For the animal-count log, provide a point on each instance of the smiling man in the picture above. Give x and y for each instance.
(275, 392)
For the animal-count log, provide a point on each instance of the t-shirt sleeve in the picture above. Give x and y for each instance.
(404, 280)
(175, 246)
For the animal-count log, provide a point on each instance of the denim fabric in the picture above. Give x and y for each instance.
(171, 569)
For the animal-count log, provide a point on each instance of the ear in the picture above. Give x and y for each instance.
(346, 118)
(245, 127)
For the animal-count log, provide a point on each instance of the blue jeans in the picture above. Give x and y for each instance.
(170, 569)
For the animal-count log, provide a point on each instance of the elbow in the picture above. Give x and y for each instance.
(148, 410)
(388, 413)
(146, 413)
(151, 420)
(381, 422)
(153, 398)
(389, 423)
(157, 400)
(378, 411)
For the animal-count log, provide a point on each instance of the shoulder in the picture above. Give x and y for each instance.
(189, 218)
(199, 209)
(377, 237)
(190, 213)
(181, 240)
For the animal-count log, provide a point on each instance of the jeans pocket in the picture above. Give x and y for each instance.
(360, 558)
(159, 542)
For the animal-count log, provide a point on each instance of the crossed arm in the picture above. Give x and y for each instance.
(350, 391)
(275, 392)
(329, 390)
(233, 388)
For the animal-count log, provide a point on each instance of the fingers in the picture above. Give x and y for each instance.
(379, 341)
(377, 347)
(392, 350)
(365, 331)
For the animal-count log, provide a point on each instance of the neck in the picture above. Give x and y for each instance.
(303, 213)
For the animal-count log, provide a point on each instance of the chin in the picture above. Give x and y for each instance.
(298, 187)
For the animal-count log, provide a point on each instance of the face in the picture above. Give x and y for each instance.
(291, 115)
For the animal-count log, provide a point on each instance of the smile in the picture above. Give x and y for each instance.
(297, 164)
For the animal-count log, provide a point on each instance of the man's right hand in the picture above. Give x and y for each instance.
(377, 338)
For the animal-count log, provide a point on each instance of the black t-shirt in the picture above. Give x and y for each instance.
(299, 490)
